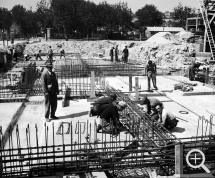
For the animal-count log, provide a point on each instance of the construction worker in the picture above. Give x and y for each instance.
(192, 70)
(125, 54)
(149, 105)
(62, 53)
(27, 57)
(101, 104)
(50, 54)
(109, 119)
(15, 54)
(166, 118)
(38, 55)
(116, 53)
(151, 70)
(111, 54)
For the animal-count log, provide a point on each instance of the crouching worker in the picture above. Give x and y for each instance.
(149, 105)
(166, 118)
(101, 104)
(109, 119)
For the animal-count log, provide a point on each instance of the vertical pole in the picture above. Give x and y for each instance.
(207, 75)
(92, 80)
(179, 159)
(130, 82)
(205, 37)
(136, 89)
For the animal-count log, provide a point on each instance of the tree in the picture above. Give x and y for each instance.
(18, 12)
(5, 20)
(66, 14)
(149, 16)
(181, 13)
(44, 15)
(88, 17)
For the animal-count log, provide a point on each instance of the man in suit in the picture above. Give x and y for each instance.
(51, 90)
(125, 54)
(111, 54)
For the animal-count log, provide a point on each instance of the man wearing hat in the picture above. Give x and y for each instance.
(111, 54)
(50, 90)
(109, 119)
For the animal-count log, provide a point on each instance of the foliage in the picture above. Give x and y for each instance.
(181, 13)
(44, 16)
(5, 19)
(18, 12)
(149, 16)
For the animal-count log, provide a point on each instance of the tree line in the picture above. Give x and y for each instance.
(79, 18)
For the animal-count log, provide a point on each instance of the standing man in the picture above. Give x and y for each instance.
(15, 55)
(50, 54)
(50, 90)
(151, 70)
(125, 54)
(62, 53)
(111, 54)
(116, 53)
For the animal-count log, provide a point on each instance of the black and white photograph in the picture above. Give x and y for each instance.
(107, 88)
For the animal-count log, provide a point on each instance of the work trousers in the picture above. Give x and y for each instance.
(125, 57)
(116, 58)
(108, 127)
(111, 58)
(151, 76)
(50, 103)
(50, 58)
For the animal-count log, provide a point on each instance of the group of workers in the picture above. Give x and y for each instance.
(49, 56)
(114, 53)
(107, 108)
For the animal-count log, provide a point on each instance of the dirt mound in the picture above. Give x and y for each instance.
(166, 54)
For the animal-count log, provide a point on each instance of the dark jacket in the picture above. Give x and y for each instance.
(49, 83)
(111, 114)
(151, 67)
(104, 100)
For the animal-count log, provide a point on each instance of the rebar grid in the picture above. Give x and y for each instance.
(75, 149)
(18, 83)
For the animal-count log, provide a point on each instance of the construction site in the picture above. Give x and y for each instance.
(71, 147)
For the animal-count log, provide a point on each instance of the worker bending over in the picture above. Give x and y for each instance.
(109, 119)
(166, 118)
(149, 105)
(102, 103)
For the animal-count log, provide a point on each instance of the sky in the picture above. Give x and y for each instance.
(162, 5)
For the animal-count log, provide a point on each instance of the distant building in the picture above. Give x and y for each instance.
(168, 19)
(153, 30)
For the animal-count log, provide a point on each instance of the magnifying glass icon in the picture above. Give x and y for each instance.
(199, 165)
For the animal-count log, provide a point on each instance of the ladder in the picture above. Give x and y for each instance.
(207, 27)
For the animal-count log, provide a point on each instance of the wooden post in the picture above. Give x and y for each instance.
(92, 81)
(205, 40)
(130, 82)
(136, 89)
(207, 75)
(179, 159)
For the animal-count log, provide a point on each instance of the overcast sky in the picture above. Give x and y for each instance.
(162, 5)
